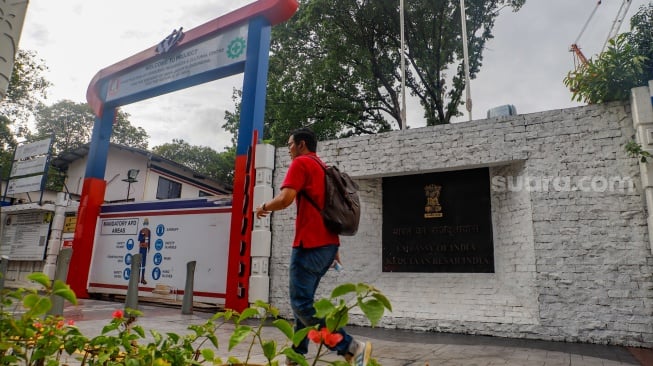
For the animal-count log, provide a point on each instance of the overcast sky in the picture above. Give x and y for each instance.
(523, 65)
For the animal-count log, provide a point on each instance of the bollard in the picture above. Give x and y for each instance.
(60, 273)
(187, 303)
(131, 301)
(4, 263)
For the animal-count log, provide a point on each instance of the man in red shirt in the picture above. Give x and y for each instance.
(315, 247)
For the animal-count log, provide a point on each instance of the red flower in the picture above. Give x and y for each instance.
(314, 336)
(330, 339)
(71, 322)
(117, 314)
(60, 324)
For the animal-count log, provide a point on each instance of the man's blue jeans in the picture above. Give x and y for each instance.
(307, 267)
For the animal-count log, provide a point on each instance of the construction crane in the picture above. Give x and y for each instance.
(618, 20)
(580, 58)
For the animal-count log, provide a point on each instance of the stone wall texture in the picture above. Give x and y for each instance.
(572, 254)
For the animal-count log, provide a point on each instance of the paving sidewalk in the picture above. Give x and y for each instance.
(391, 347)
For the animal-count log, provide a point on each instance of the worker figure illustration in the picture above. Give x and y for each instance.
(144, 247)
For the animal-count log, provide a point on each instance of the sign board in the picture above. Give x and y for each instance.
(28, 167)
(36, 148)
(119, 226)
(438, 223)
(25, 235)
(27, 184)
(174, 237)
(222, 50)
(69, 224)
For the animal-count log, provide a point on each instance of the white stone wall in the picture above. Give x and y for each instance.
(570, 264)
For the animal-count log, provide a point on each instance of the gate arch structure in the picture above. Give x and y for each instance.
(233, 43)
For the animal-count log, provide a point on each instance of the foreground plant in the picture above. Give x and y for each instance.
(30, 337)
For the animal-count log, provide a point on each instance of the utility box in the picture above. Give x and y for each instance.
(502, 111)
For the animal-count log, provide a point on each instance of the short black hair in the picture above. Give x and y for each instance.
(307, 135)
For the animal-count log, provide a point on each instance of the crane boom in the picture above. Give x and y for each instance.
(574, 46)
(579, 54)
(618, 20)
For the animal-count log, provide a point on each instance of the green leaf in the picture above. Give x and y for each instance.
(384, 300)
(373, 309)
(37, 304)
(343, 289)
(109, 327)
(269, 349)
(233, 361)
(41, 278)
(284, 326)
(62, 289)
(241, 332)
(247, 313)
(363, 288)
(214, 339)
(291, 354)
(139, 330)
(208, 354)
(174, 337)
(337, 320)
(323, 308)
(300, 335)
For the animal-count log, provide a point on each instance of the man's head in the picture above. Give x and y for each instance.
(301, 142)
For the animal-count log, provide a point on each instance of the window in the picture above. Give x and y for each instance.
(168, 189)
(205, 194)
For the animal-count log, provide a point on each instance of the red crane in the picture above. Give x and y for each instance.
(580, 58)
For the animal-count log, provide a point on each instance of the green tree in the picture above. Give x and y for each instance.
(71, 124)
(625, 64)
(7, 145)
(202, 159)
(27, 88)
(335, 65)
(125, 133)
(641, 37)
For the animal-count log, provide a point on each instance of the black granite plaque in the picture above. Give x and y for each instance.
(438, 222)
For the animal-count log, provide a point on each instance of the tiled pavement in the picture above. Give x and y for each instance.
(391, 347)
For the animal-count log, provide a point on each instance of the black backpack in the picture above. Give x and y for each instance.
(342, 209)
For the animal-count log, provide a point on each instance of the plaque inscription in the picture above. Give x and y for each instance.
(438, 222)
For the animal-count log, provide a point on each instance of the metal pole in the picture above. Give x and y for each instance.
(468, 91)
(187, 303)
(60, 273)
(403, 67)
(4, 263)
(131, 301)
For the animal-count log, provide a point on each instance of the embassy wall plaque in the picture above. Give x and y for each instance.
(438, 222)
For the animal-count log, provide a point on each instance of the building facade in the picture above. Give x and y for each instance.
(571, 245)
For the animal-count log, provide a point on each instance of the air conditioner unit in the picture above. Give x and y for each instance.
(502, 111)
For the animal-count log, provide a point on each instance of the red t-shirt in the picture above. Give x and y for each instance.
(305, 175)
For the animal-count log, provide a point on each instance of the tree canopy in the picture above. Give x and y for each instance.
(71, 124)
(27, 88)
(335, 65)
(202, 159)
(625, 64)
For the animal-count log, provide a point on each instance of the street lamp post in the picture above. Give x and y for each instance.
(131, 178)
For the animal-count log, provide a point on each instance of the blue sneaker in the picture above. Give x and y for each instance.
(362, 355)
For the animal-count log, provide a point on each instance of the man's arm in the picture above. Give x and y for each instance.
(279, 202)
